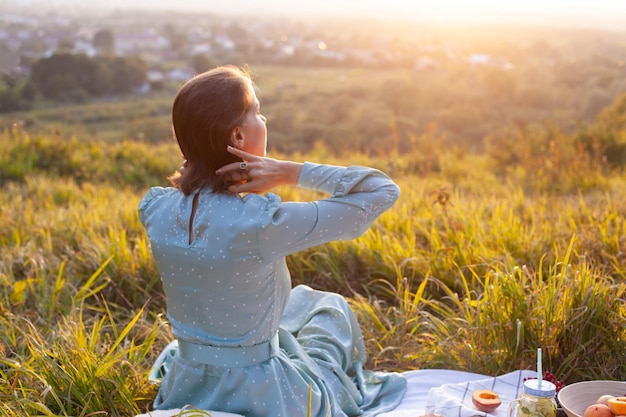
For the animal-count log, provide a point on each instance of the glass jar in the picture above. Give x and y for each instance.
(536, 401)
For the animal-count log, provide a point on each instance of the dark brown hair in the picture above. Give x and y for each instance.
(205, 112)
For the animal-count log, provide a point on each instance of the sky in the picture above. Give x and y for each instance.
(598, 11)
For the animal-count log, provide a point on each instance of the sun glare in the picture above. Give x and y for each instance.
(489, 9)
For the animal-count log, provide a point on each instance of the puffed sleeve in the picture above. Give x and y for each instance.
(358, 195)
(149, 197)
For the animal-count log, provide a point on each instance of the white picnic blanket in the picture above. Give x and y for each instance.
(431, 391)
(187, 413)
(449, 393)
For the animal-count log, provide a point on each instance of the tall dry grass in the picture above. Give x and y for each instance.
(472, 269)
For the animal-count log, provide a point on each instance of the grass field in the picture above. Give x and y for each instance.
(467, 271)
(474, 268)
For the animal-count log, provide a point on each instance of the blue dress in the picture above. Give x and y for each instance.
(246, 342)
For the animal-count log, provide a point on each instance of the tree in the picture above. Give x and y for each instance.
(10, 94)
(70, 77)
(127, 73)
(28, 92)
(9, 101)
(15, 93)
(58, 76)
(65, 45)
(104, 42)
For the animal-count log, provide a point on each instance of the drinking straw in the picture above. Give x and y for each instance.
(539, 371)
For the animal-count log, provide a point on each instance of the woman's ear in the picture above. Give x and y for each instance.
(236, 138)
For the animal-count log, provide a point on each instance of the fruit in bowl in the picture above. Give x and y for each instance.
(604, 399)
(598, 410)
(617, 405)
(576, 398)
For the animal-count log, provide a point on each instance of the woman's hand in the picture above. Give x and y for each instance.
(258, 174)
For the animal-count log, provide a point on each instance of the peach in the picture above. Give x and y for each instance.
(485, 400)
(598, 410)
(617, 405)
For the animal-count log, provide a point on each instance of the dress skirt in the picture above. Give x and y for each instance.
(315, 371)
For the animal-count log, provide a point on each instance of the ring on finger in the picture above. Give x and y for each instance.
(243, 165)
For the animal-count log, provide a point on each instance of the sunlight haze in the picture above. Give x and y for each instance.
(599, 12)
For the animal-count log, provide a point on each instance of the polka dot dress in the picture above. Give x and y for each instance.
(253, 345)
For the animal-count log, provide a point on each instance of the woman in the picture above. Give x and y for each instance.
(247, 343)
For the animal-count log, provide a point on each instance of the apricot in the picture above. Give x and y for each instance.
(485, 400)
(598, 410)
(617, 405)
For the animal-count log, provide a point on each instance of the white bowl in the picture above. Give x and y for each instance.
(575, 398)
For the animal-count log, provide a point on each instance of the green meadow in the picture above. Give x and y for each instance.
(486, 256)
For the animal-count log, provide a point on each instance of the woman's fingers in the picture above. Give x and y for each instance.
(243, 187)
(237, 177)
(257, 174)
(240, 153)
(237, 166)
(233, 167)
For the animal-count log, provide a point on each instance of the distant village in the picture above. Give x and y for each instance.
(174, 45)
(461, 80)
